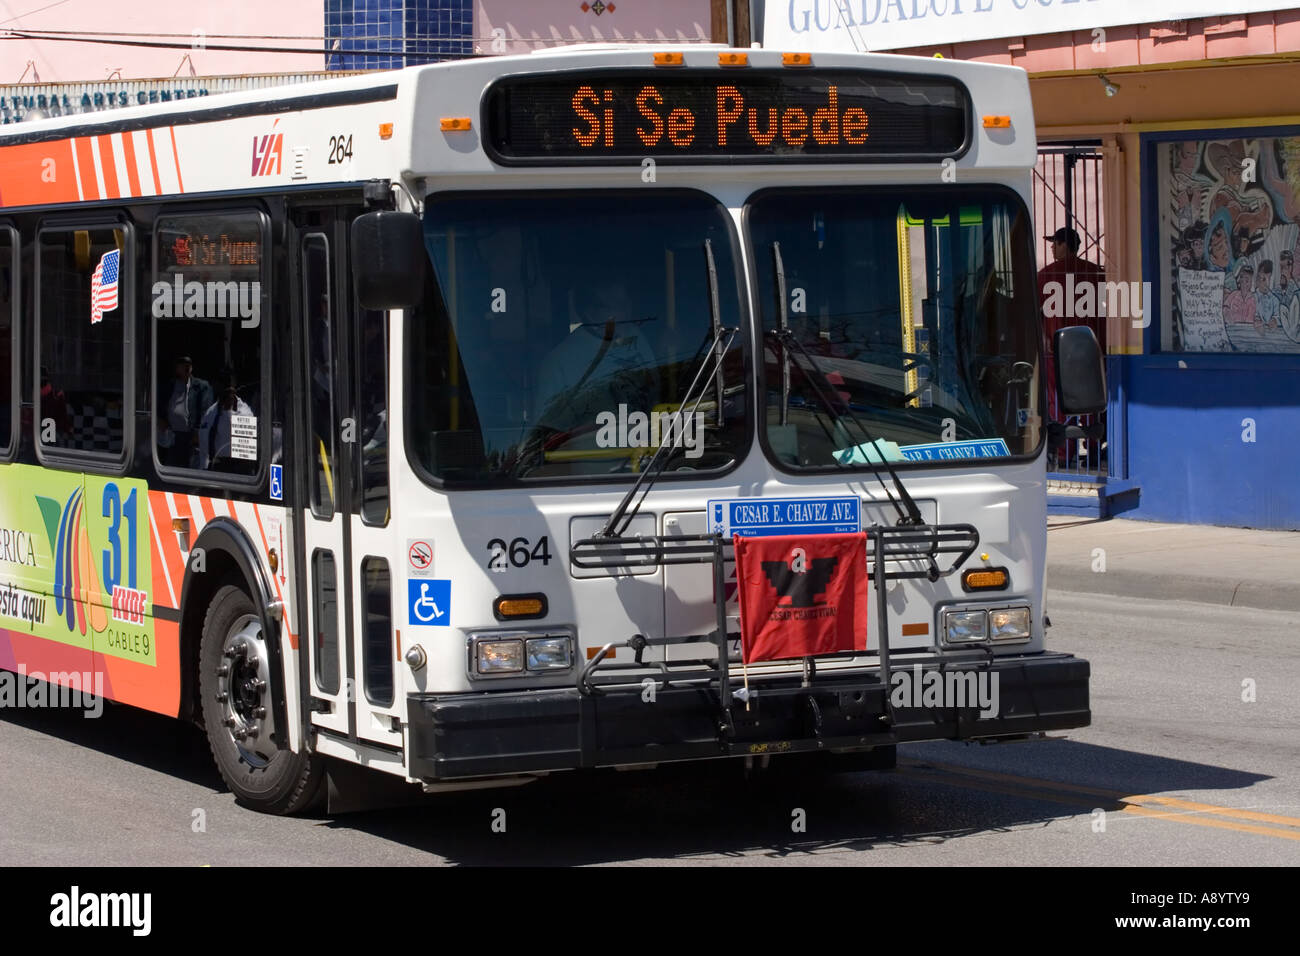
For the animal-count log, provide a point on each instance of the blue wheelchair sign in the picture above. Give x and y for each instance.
(429, 602)
(277, 482)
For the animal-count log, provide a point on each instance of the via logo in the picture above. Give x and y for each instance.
(267, 152)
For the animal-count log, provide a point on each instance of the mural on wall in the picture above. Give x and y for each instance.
(1231, 232)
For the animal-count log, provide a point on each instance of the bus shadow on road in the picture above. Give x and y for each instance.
(704, 813)
(163, 744)
(708, 812)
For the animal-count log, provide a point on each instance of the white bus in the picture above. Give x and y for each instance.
(414, 420)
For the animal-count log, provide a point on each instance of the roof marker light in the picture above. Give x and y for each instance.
(456, 124)
(668, 59)
(796, 59)
(733, 59)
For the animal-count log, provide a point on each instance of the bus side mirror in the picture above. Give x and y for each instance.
(388, 259)
(1080, 371)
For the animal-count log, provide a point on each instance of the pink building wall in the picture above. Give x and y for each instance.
(544, 23)
(59, 61)
(1147, 44)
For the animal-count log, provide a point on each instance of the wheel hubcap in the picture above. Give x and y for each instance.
(244, 692)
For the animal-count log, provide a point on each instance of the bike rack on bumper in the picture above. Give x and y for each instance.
(643, 712)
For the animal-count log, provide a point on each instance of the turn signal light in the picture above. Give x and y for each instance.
(515, 607)
(987, 579)
(997, 122)
(456, 124)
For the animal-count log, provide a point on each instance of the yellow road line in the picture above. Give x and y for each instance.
(1211, 822)
(1058, 792)
(1221, 811)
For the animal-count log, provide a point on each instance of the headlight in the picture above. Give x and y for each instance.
(962, 626)
(500, 657)
(1009, 624)
(520, 652)
(548, 653)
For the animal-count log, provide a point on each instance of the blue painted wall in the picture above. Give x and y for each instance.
(1185, 446)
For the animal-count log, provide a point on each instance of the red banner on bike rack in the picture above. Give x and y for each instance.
(802, 596)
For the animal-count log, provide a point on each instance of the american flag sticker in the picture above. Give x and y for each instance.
(103, 286)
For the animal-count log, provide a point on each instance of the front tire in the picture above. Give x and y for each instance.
(239, 712)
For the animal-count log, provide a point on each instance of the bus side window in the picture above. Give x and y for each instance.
(83, 278)
(210, 323)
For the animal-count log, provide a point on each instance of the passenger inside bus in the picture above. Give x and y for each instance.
(605, 360)
(216, 450)
(182, 414)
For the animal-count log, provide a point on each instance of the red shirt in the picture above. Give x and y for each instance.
(1083, 271)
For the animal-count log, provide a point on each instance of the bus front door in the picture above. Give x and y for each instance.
(352, 656)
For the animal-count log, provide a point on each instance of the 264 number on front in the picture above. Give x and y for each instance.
(519, 553)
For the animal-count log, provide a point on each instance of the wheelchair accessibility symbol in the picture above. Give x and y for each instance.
(429, 603)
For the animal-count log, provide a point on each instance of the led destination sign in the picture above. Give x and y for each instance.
(222, 245)
(699, 116)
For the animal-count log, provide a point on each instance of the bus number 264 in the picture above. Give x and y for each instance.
(519, 553)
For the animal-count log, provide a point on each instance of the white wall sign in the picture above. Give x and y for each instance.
(863, 25)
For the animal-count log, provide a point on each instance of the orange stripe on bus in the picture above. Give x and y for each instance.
(86, 161)
(132, 175)
(181, 506)
(177, 156)
(153, 165)
(37, 173)
(111, 187)
(172, 560)
(159, 583)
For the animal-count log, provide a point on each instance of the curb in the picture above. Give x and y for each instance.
(1247, 592)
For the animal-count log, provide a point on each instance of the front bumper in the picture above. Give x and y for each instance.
(453, 736)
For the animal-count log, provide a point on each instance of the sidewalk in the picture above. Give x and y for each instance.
(1233, 566)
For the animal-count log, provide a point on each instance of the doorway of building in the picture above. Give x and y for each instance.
(1069, 204)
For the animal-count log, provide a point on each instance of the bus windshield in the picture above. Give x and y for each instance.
(563, 332)
(898, 324)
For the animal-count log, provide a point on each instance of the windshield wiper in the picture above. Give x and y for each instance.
(718, 349)
(908, 512)
(715, 320)
(717, 352)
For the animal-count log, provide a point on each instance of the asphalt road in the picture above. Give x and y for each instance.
(1178, 768)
